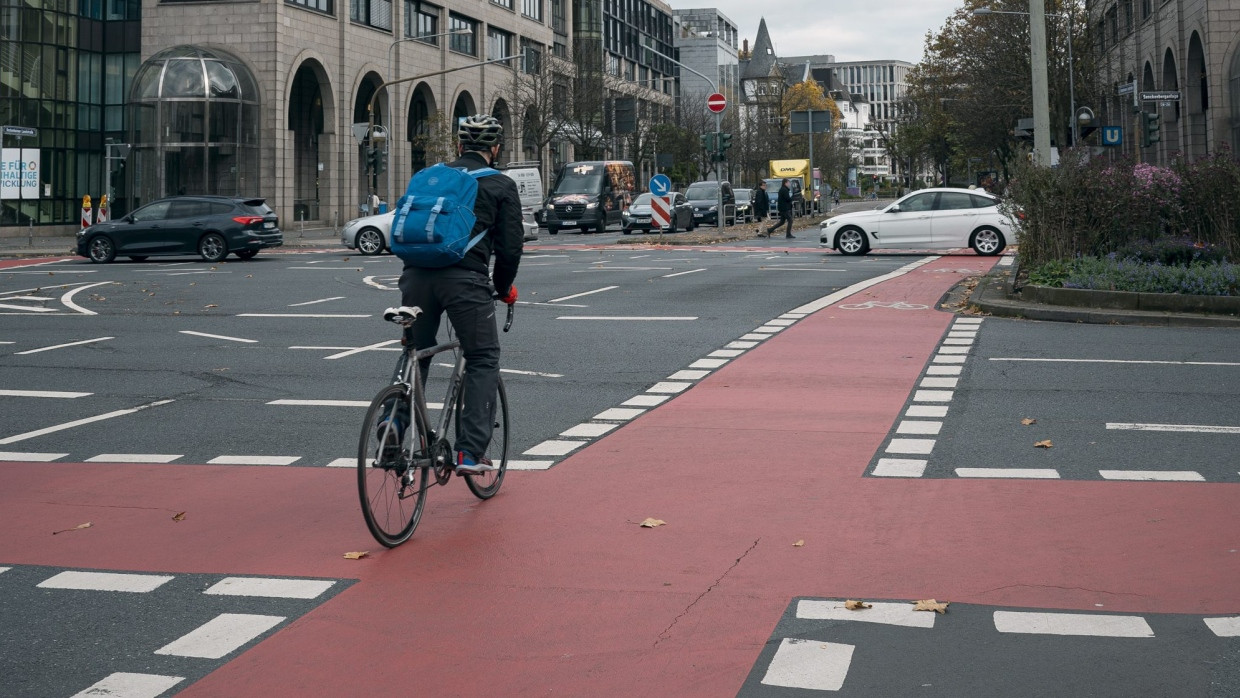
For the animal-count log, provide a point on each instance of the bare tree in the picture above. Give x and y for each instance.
(538, 96)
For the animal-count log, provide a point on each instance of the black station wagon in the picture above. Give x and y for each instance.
(207, 226)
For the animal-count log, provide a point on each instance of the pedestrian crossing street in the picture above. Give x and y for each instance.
(137, 634)
(890, 649)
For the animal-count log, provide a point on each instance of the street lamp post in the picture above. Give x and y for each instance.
(370, 105)
(1073, 127)
(714, 87)
(392, 71)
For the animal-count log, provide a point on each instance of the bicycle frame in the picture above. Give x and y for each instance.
(408, 372)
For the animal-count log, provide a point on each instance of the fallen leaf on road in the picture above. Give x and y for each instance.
(1027, 421)
(212, 268)
(931, 605)
(356, 556)
(179, 517)
(75, 528)
(212, 305)
(1043, 444)
(249, 276)
(798, 543)
(857, 605)
(652, 522)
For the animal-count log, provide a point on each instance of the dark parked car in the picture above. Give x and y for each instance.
(207, 226)
(705, 199)
(639, 213)
(744, 205)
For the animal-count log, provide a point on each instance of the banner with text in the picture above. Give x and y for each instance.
(19, 173)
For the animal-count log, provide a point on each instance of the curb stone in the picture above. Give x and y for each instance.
(994, 295)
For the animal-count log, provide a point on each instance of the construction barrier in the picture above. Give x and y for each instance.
(85, 212)
(102, 215)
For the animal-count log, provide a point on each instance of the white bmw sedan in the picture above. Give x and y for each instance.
(943, 218)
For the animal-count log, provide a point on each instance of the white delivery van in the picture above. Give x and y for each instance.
(530, 189)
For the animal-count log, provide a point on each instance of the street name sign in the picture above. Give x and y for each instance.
(1160, 96)
(19, 131)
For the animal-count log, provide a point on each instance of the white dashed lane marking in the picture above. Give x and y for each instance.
(42, 393)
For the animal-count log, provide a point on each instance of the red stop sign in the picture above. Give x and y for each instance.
(716, 102)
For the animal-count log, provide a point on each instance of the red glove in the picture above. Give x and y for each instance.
(512, 295)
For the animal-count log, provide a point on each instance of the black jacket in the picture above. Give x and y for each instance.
(785, 199)
(498, 211)
(761, 203)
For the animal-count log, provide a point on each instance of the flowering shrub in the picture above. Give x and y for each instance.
(1130, 274)
(1092, 208)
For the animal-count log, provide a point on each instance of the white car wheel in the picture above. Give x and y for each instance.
(987, 242)
(851, 241)
(369, 241)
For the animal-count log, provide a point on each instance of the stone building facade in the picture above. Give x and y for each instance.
(1186, 46)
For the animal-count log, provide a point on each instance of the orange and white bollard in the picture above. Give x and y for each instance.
(85, 212)
(101, 216)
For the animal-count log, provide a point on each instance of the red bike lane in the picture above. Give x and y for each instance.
(553, 588)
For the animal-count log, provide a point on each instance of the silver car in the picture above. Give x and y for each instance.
(370, 235)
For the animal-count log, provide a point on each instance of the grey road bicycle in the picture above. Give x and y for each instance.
(400, 455)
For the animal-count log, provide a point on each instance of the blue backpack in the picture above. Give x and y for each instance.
(435, 217)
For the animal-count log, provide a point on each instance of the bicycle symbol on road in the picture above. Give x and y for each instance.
(894, 305)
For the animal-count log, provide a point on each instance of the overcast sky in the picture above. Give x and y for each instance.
(857, 30)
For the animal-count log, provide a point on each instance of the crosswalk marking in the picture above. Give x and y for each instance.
(254, 460)
(128, 685)
(105, 581)
(220, 636)
(269, 587)
(1092, 624)
(809, 664)
(133, 458)
(879, 612)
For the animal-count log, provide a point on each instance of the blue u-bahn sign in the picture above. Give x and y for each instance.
(1112, 135)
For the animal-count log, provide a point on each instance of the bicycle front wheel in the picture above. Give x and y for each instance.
(485, 485)
(392, 491)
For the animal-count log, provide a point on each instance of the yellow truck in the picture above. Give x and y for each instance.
(803, 181)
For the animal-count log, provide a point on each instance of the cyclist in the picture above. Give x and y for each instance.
(464, 290)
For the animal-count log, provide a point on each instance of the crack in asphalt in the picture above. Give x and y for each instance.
(663, 635)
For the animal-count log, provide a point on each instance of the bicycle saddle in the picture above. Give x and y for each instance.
(403, 316)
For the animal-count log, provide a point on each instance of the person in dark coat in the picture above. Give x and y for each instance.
(784, 205)
(761, 206)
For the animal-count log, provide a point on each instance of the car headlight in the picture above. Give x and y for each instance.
(713, 208)
(593, 204)
(828, 222)
(626, 215)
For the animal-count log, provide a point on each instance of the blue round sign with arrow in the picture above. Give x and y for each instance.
(660, 185)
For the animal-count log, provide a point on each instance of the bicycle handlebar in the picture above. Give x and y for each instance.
(507, 320)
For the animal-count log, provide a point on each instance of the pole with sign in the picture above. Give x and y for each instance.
(716, 103)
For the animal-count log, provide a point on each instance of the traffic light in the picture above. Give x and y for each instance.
(708, 141)
(376, 160)
(1150, 128)
(725, 142)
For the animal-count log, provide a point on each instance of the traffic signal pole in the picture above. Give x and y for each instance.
(713, 88)
(371, 180)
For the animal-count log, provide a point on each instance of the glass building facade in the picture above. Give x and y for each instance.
(65, 70)
(195, 120)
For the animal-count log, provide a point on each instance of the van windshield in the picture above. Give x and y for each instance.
(698, 192)
(577, 183)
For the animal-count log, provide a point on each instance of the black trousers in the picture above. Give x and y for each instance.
(466, 297)
(783, 216)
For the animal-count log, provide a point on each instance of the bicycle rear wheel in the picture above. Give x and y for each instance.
(485, 485)
(392, 492)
